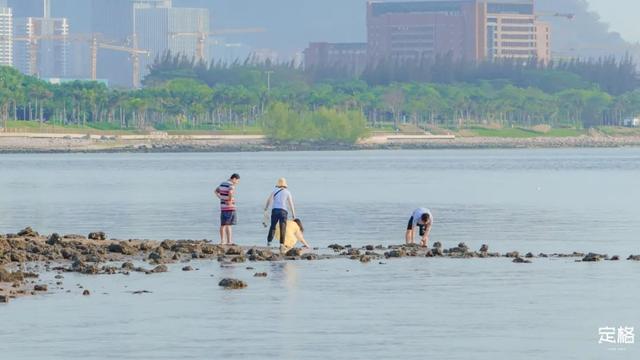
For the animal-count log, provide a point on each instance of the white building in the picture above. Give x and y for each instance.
(631, 122)
(43, 48)
(6, 35)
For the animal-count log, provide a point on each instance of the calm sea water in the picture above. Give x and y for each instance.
(525, 200)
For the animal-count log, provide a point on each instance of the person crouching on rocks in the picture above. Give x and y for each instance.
(280, 201)
(293, 235)
(422, 219)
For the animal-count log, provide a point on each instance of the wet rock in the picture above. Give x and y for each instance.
(336, 247)
(260, 274)
(128, 266)
(429, 253)
(309, 256)
(122, 248)
(255, 254)
(615, 258)
(54, 239)
(398, 253)
(100, 236)
(529, 255)
(234, 250)
(6, 276)
(519, 260)
(58, 277)
(40, 287)
(437, 251)
(28, 232)
(238, 259)
(295, 252)
(140, 292)
(365, 259)
(187, 268)
(592, 257)
(352, 252)
(512, 254)
(160, 269)
(86, 292)
(484, 248)
(543, 255)
(634, 257)
(228, 283)
(4, 299)
(74, 237)
(369, 248)
(437, 245)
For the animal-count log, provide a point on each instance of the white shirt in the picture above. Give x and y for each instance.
(417, 216)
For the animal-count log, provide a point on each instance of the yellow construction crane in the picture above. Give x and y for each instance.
(133, 51)
(203, 36)
(568, 16)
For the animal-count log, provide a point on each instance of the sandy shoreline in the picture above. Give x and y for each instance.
(106, 144)
(27, 255)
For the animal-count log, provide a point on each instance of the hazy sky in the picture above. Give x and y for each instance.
(622, 15)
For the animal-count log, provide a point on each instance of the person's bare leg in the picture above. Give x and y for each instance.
(408, 237)
(222, 235)
(229, 235)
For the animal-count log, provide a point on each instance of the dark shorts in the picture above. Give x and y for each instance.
(228, 218)
(422, 227)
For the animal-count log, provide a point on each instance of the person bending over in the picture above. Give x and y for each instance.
(422, 219)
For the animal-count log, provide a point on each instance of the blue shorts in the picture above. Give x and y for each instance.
(228, 218)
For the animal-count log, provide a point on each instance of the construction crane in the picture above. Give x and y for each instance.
(33, 41)
(133, 51)
(203, 36)
(568, 16)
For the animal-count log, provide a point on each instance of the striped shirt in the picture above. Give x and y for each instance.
(226, 191)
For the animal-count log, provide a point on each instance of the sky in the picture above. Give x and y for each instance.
(622, 15)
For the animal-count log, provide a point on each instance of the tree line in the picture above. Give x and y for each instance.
(180, 93)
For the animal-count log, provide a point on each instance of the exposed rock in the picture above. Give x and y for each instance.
(592, 257)
(54, 239)
(634, 257)
(255, 254)
(139, 292)
(295, 252)
(187, 268)
(260, 274)
(336, 247)
(369, 248)
(128, 266)
(228, 283)
(365, 259)
(167, 244)
(615, 258)
(529, 255)
(234, 250)
(28, 232)
(437, 245)
(309, 256)
(512, 254)
(4, 299)
(398, 253)
(122, 248)
(160, 269)
(100, 235)
(40, 287)
(519, 260)
(86, 292)
(238, 259)
(74, 237)
(484, 248)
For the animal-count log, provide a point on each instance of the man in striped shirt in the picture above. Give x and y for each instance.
(226, 193)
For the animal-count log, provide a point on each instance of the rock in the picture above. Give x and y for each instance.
(484, 248)
(58, 277)
(73, 237)
(86, 292)
(529, 255)
(353, 252)
(4, 299)
(634, 257)
(167, 245)
(234, 250)
(437, 251)
(156, 256)
(259, 254)
(295, 252)
(519, 260)
(543, 255)
(228, 283)
(41, 287)
(365, 259)
(615, 258)
(336, 247)
(128, 266)
(187, 268)
(513, 254)
(429, 253)
(100, 235)
(591, 257)
(139, 292)
(28, 232)
(122, 248)
(238, 259)
(398, 253)
(437, 245)
(309, 256)
(369, 248)
(260, 274)
(54, 239)
(160, 269)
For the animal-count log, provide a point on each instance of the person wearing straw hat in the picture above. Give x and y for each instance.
(281, 203)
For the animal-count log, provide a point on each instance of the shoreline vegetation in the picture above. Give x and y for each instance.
(334, 107)
(27, 255)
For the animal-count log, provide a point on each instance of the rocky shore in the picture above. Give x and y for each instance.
(252, 144)
(26, 255)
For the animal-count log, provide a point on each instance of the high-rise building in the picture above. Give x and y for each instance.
(48, 56)
(351, 57)
(6, 35)
(114, 21)
(174, 30)
(466, 29)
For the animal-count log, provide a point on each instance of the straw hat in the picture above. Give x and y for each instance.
(282, 183)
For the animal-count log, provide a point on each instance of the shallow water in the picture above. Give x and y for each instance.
(526, 200)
